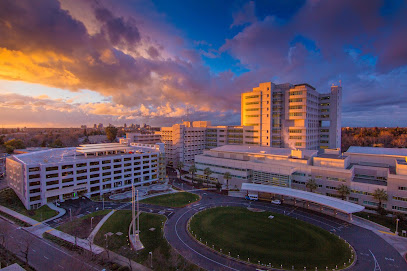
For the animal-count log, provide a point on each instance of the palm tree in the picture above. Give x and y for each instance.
(180, 165)
(381, 195)
(343, 190)
(192, 170)
(311, 185)
(207, 173)
(227, 176)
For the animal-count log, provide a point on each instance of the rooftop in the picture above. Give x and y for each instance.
(334, 203)
(72, 154)
(286, 152)
(332, 156)
(378, 151)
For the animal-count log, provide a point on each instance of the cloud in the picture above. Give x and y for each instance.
(145, 68)
(246, 15)
(328, 41)
(109, 60)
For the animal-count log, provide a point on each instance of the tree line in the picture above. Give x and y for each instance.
(374, 137)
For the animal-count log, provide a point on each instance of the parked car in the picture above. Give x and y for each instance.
(276, 201)
(252, 197)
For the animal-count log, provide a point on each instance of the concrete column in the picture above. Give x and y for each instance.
(335, 213)
(350, 217)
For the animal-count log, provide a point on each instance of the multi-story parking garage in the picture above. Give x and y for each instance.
(94, 169)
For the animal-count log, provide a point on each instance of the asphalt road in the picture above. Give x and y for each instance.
(42, 254)
(372, 251)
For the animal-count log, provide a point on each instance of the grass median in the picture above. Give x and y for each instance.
(82, 227)
(179, 199)
(151, 235)
(280, 240)
(9, 199)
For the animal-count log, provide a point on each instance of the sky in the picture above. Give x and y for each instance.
(69, 62)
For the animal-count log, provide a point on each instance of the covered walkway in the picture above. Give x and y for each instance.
(331, 205)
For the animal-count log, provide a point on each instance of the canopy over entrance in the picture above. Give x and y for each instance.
(330, 202)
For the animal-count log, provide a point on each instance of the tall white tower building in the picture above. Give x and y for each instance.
(293, 116)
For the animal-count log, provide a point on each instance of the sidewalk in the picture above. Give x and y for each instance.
(18, 216)
(61, 212)
(125, 261)
(38, 229)
(99, 225)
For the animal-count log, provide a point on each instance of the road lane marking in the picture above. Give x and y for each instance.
(46, 257)
(61, 266)
(376, 263)
(34, 250)
(390, 233)
(176, 231)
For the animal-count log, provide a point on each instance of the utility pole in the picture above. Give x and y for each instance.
(138, 215)
(133, 209)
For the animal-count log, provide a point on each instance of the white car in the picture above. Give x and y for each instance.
(276, 201)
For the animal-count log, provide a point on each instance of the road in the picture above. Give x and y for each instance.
(42, 254)
(372, 251)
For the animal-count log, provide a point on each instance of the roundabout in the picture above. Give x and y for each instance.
(269, 239)
(371, 250)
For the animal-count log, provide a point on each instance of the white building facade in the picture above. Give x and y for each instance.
(293, 116)
(148, 138)
(89, 170)
(362, 169)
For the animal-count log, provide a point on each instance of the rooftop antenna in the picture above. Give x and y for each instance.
(187, 114)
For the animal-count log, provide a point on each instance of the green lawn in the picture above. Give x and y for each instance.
(281, 240)
(179, 199)
(164, 257)
(9, 199)
(81, 227)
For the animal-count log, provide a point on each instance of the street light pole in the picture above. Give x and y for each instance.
(70, 213)
(103, 200)
(151, 259)
(397, 226)
(91, 222)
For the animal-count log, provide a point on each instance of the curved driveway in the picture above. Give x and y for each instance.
(372, 251)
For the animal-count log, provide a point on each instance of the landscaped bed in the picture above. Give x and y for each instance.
(81, 227)
(281, 240)
(9, 199)
(383, 220)
(151, 235)
(179, 199)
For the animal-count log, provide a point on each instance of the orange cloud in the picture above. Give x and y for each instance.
(36, 67)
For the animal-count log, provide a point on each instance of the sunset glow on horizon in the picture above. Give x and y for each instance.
(66, 63)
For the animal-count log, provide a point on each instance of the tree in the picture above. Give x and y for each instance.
(111, 133)
(227, 176)
(13, 144)
(311, 185)
(192, 170)
(57, 143)
(207, 172)
(25, 248)
(180, 165)
(381, 195)
(343, 190)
